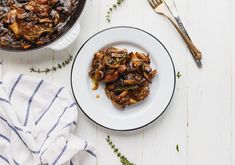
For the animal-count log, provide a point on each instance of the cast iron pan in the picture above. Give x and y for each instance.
(74, 17)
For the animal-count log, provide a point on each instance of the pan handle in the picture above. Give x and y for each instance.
(67, 39)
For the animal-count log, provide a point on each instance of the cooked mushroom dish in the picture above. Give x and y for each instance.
(30, 23)
(127, 75)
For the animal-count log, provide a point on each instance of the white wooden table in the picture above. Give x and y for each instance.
(201, 117)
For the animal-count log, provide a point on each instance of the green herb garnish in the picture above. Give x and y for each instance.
(125, 88)
(54, 68)
(111, 9)
(178, 75)
(177, 148)
(122, 158)
(119, 59)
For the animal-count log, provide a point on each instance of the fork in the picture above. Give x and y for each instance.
(173, 10)
(160, 8)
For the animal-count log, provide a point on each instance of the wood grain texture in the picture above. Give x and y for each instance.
(209, 95)
(233, 85)
(201, 117)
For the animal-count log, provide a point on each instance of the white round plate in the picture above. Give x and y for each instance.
(101, 110)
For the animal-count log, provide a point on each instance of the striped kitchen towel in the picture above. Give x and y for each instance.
(37, 124)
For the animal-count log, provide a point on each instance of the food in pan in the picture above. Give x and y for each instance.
(127, 75)
(30, 23)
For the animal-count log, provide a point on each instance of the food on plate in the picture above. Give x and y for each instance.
(108, 64)
(127, 75)
(30, 23)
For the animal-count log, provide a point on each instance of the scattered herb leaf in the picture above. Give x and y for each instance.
(178, 75)
(177, 148)
(125, 88)
(111, 9)
(122, 158)
(54, 68)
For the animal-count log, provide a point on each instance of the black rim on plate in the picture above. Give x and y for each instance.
(107, 30)
(73, 19)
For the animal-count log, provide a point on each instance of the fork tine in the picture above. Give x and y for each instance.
(151, 3)
(155, 2)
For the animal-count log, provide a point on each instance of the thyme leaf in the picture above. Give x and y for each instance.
(111, 9)
(177, 148)
(53, 68)
(178, 75)
(125, 88)
(123, 159)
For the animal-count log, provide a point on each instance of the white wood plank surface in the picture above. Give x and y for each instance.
(233, 85)
(201, 117)
(209, 89)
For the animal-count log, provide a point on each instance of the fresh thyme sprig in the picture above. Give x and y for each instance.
(122, 158)
(54, 68)
(111, 9)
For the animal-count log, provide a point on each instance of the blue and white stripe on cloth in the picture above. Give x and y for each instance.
(37, 124)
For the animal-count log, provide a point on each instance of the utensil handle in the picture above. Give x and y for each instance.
(178, 20)
(67, 39)
(181, 26)
(195, 52)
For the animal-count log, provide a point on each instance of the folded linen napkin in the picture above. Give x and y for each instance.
(37, 124)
